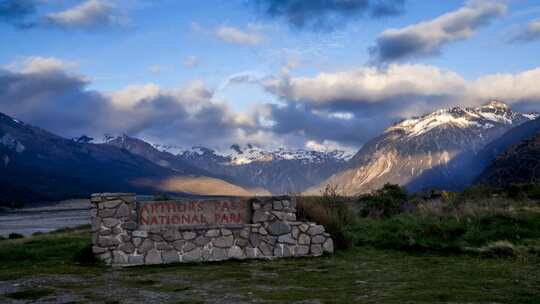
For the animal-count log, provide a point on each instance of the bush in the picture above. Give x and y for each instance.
(85, 256)
(448, 234)
(331, 211)
(162, 197)
(499, 249)
(14, 235)
(386, 202)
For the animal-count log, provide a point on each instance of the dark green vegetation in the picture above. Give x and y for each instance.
(479, 221)
(45, 268)
(479, 246)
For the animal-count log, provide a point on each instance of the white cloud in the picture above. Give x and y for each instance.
(37, 64)
(428, 37)
(89, 14)
(234, 35)
(528, 34)
(368, 84)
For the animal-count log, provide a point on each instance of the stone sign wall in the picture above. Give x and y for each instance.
(127, 232)
(190, 214)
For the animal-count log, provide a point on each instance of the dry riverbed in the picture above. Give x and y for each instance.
(42, 269)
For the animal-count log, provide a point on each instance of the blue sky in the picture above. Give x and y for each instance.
(176, 45)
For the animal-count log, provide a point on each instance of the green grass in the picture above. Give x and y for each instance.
(412, 232)
(362, 274)
(30, 294)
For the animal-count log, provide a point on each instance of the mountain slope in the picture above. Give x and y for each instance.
(37, 165)
(519, 164)
(429, 151)
(279, 171)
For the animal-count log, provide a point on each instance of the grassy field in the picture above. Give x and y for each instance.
(44, 268)
(478, 246)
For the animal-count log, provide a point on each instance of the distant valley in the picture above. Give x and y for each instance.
(448, 149)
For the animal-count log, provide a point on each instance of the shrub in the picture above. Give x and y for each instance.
(331, 210)
(14, 235)
(85, 256)
(162, 197)
(385, 202)
(499, 249)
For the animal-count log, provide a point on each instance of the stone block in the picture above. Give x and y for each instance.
(127, 247)
(303, 227)
(226, 232)
(262, 231)
(254, 239)
(278, 251)
(137, 241)
(156, 237)
(105, 241)
(223, 242)
(140, 233)
(318, 239)
(328, 246)
(219, 254)
(131, 225)
(153, 257)
(304, 239)
(189, 235)
(316, 249)
(236, 252)
(315, 229)
(163, 246)
(188, 246)
(136, 259)
(170, 256)
(104, 213)
(287, 239)
(251, 252)
(201, 241)
(192, 256)
(265, 249)
(301, 250)
(146, 246)
(260, 216)
(212, 233)
(179, 244)
(278, 228)
(277, 205)
(110, 222)
(242, 242)
(172, 234)
(122, 211)
(111, 203)
(119, 257)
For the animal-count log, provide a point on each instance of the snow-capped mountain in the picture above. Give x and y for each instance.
(429, 151)
(242, 155)
(278, 171)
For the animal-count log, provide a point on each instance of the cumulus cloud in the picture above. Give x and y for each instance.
(343, 109)
(87, 15)
(43, 94)
(234, 35)
(429, 37)
(326, 14)
(17, 12)
(350, 107)
(528, 34)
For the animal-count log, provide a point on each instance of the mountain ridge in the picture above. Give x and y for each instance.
(420, 152)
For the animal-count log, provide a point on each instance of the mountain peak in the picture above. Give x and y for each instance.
(492, 114)
(496, 104)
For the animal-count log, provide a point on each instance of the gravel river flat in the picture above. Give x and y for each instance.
(45, 217)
